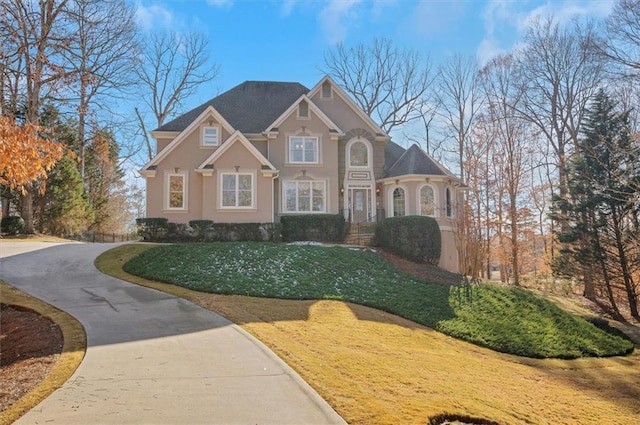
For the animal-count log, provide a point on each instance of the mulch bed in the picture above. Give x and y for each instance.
(29, 347)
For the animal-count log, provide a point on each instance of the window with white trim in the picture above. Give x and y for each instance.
(303, 150)
(237, 190)
(447, 201)
(399, 202)
(304, 196)
(210, 136)
(358, 155)
(427, 201)
(176, 191)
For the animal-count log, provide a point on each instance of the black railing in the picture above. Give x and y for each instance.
(100, 237)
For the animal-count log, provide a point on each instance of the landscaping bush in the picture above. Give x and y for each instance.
(232, 232)
(313, 227)
(201, 227)
(13, 225)
(416, 238)
(152, 229)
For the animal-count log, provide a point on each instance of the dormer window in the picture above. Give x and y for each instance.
(303, 110)
(210, 136)
(326, 90)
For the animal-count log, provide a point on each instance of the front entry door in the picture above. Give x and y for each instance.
(360, 204)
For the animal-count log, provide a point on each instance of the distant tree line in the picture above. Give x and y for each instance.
(546, 137)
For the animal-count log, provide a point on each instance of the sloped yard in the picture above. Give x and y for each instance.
(376, 367)
(503, 319)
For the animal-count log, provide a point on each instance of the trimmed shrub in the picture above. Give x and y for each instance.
(13, 224)
(313, 227)
(152, 229)
(201, 227)
(232, 232)
(415, 238)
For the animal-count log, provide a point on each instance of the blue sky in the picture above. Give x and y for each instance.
(285, 40)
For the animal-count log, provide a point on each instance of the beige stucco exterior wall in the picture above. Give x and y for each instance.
(186, 157)
(237, 156)
(449, 252)
(326, 169)
(412, 185)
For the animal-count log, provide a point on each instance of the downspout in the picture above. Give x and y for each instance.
(273, 199)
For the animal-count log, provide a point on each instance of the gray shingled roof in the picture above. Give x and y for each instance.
(412, 161)
(249, 107)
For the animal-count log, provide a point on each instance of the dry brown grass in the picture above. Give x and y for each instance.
(376, 368)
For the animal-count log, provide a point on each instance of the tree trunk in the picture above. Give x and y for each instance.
(27, 211)
(629, 286)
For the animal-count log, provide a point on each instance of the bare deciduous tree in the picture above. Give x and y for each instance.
(459, 99)
(33, 36)
(560, 71)
(622, 43)
(102, 57)
(173, 66)
(511, 138)
(388, 83)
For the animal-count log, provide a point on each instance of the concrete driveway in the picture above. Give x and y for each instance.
(153, 358)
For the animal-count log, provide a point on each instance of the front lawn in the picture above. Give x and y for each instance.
(504, 319)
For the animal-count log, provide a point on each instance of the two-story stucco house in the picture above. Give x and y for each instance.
(263, 150)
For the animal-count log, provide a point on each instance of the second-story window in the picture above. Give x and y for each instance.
(303, 150)
(210, 136)
(359, 155)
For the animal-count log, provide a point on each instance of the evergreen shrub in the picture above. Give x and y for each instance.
(416, 238)
(12, 225)
(313, 227)
(152, 228)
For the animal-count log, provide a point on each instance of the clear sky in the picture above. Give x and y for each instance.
(285, 40)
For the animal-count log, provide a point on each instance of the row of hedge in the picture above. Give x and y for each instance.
(416, 238)
(317, 227)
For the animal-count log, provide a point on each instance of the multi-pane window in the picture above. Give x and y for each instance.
(303, 149)
(237, 190)
(210, 136)
(304, 196)
(427, 201)
(359, 155)
(399, 202)
(176, 191)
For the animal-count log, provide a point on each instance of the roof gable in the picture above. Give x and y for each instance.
(341, 93)
(312, 107)
(249, 107)
(235, 138)
(202, 116)
(412, 161)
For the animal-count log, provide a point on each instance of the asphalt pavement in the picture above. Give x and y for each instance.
(153, 358)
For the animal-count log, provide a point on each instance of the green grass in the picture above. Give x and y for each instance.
(504, 319)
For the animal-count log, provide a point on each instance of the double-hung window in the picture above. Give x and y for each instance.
(304, 196)
(210, 136)
(176, 191)
(303, 150)
(237, 190)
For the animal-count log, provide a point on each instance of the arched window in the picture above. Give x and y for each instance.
(359, 155)
(427, 201)
(448, 202)
(399, 202)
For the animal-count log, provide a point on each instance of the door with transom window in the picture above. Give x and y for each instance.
(359, 200)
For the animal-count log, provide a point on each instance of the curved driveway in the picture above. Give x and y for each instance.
(153, 358)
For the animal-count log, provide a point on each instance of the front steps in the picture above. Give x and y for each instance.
(361, 234)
